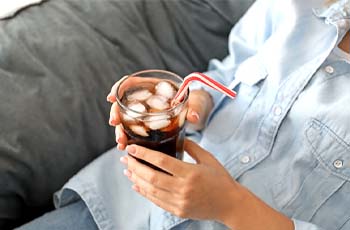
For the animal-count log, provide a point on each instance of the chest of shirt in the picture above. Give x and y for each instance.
(288, 142)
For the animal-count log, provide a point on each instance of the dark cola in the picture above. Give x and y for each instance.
(149, 119)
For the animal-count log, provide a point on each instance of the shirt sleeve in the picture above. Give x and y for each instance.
(245, 39)
(301, 225)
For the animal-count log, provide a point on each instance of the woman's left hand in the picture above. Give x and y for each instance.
(196, 191)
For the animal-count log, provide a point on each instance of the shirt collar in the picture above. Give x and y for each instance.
(335, 11)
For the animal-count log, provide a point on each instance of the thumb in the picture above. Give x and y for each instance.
(200, 155)
(199, 106)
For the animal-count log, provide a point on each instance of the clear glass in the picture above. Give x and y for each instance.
(148, 117)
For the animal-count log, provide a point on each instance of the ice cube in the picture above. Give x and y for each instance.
(165, 89)
(131, 117)
(158, 102)
(137, 107)
(139, 130)
(135, 111)
(157, 122)
(139, 95)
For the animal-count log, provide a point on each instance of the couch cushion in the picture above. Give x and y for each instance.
(57, 64)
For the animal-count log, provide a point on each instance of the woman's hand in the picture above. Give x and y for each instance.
(196, 191)
(199, 106)
(204, 191)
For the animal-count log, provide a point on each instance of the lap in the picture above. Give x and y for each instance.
(73, 216)
(107, 194)
(98, 197)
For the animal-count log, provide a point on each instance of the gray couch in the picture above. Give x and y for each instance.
(58, 61)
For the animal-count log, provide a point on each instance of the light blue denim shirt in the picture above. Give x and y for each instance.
(286, 136)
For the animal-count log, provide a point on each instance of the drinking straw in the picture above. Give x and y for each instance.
(196, 76)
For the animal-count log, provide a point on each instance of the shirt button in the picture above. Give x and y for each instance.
(245, 159)
(338, 164)
(329, 69)
(277, 111)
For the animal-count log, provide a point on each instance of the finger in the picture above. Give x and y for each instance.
(198, 153)
(121, 147)
(153, 177)
(114, 117)
(199, 106)
(193, 115)
(112, 96)
(169, 164)
(149, 189)
(120, 137)
(164, 204)
(195, 108)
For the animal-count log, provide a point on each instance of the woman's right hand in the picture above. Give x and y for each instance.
(200, 104)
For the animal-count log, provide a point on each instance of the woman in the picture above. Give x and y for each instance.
(276, 157)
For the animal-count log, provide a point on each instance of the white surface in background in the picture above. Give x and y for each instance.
(9, 7)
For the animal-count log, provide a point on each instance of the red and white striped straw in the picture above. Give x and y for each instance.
(204, 79)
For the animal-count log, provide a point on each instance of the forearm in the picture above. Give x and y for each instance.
(249, 212)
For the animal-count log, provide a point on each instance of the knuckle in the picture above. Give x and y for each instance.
(131, 165)
(140, 151)
(133, 178)
(152, 191)
(193, 177)
(161, 161)
(186, 192)
(180, 212)
(143, 192)
(153, 178)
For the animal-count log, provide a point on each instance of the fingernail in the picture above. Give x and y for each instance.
(127, 173)
(136, 188)
(117, 138)
(110, 98)
(112, 120)
(195, 115)
(131, 149)
(124, 160)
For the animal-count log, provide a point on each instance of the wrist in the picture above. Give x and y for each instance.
(234, 201)
(249, 212)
